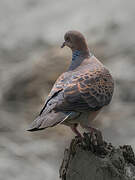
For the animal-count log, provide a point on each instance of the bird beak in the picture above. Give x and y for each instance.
(63, 45)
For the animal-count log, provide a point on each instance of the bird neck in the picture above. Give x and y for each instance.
(76, 54)
(77, 58)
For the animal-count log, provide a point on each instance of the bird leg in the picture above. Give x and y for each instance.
(74, 129)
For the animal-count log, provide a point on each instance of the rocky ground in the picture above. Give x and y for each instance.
(90, 157)
(31, 33)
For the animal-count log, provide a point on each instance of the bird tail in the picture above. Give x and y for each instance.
(49, 120)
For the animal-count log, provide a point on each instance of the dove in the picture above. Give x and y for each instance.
(80, 93)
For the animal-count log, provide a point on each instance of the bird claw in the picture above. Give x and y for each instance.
(96, 137)
(75, 142)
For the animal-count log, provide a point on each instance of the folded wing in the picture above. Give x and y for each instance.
(76, 92)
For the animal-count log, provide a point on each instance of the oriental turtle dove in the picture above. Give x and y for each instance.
(79, 93)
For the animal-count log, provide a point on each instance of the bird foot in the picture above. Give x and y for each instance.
(96, 136)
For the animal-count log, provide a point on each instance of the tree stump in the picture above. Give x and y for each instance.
(87, 160)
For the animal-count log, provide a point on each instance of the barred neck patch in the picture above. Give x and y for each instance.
(77, 58)
(75, 54)
(78, 53)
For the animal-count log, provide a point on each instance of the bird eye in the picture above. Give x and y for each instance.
(68, 39)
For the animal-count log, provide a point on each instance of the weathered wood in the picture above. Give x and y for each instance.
(89, 160)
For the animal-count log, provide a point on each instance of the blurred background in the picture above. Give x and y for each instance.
(31, 33)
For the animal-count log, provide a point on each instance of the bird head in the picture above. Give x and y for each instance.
(75, 41)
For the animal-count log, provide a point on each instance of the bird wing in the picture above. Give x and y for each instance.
(75, 92)
(57, 87)
(48, 117)
(89, 90)
(96, 88)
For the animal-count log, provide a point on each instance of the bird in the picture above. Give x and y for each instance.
(80, 93)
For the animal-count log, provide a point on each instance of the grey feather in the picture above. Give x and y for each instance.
(51, 119)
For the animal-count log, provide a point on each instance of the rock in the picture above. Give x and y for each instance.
(85, 160)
